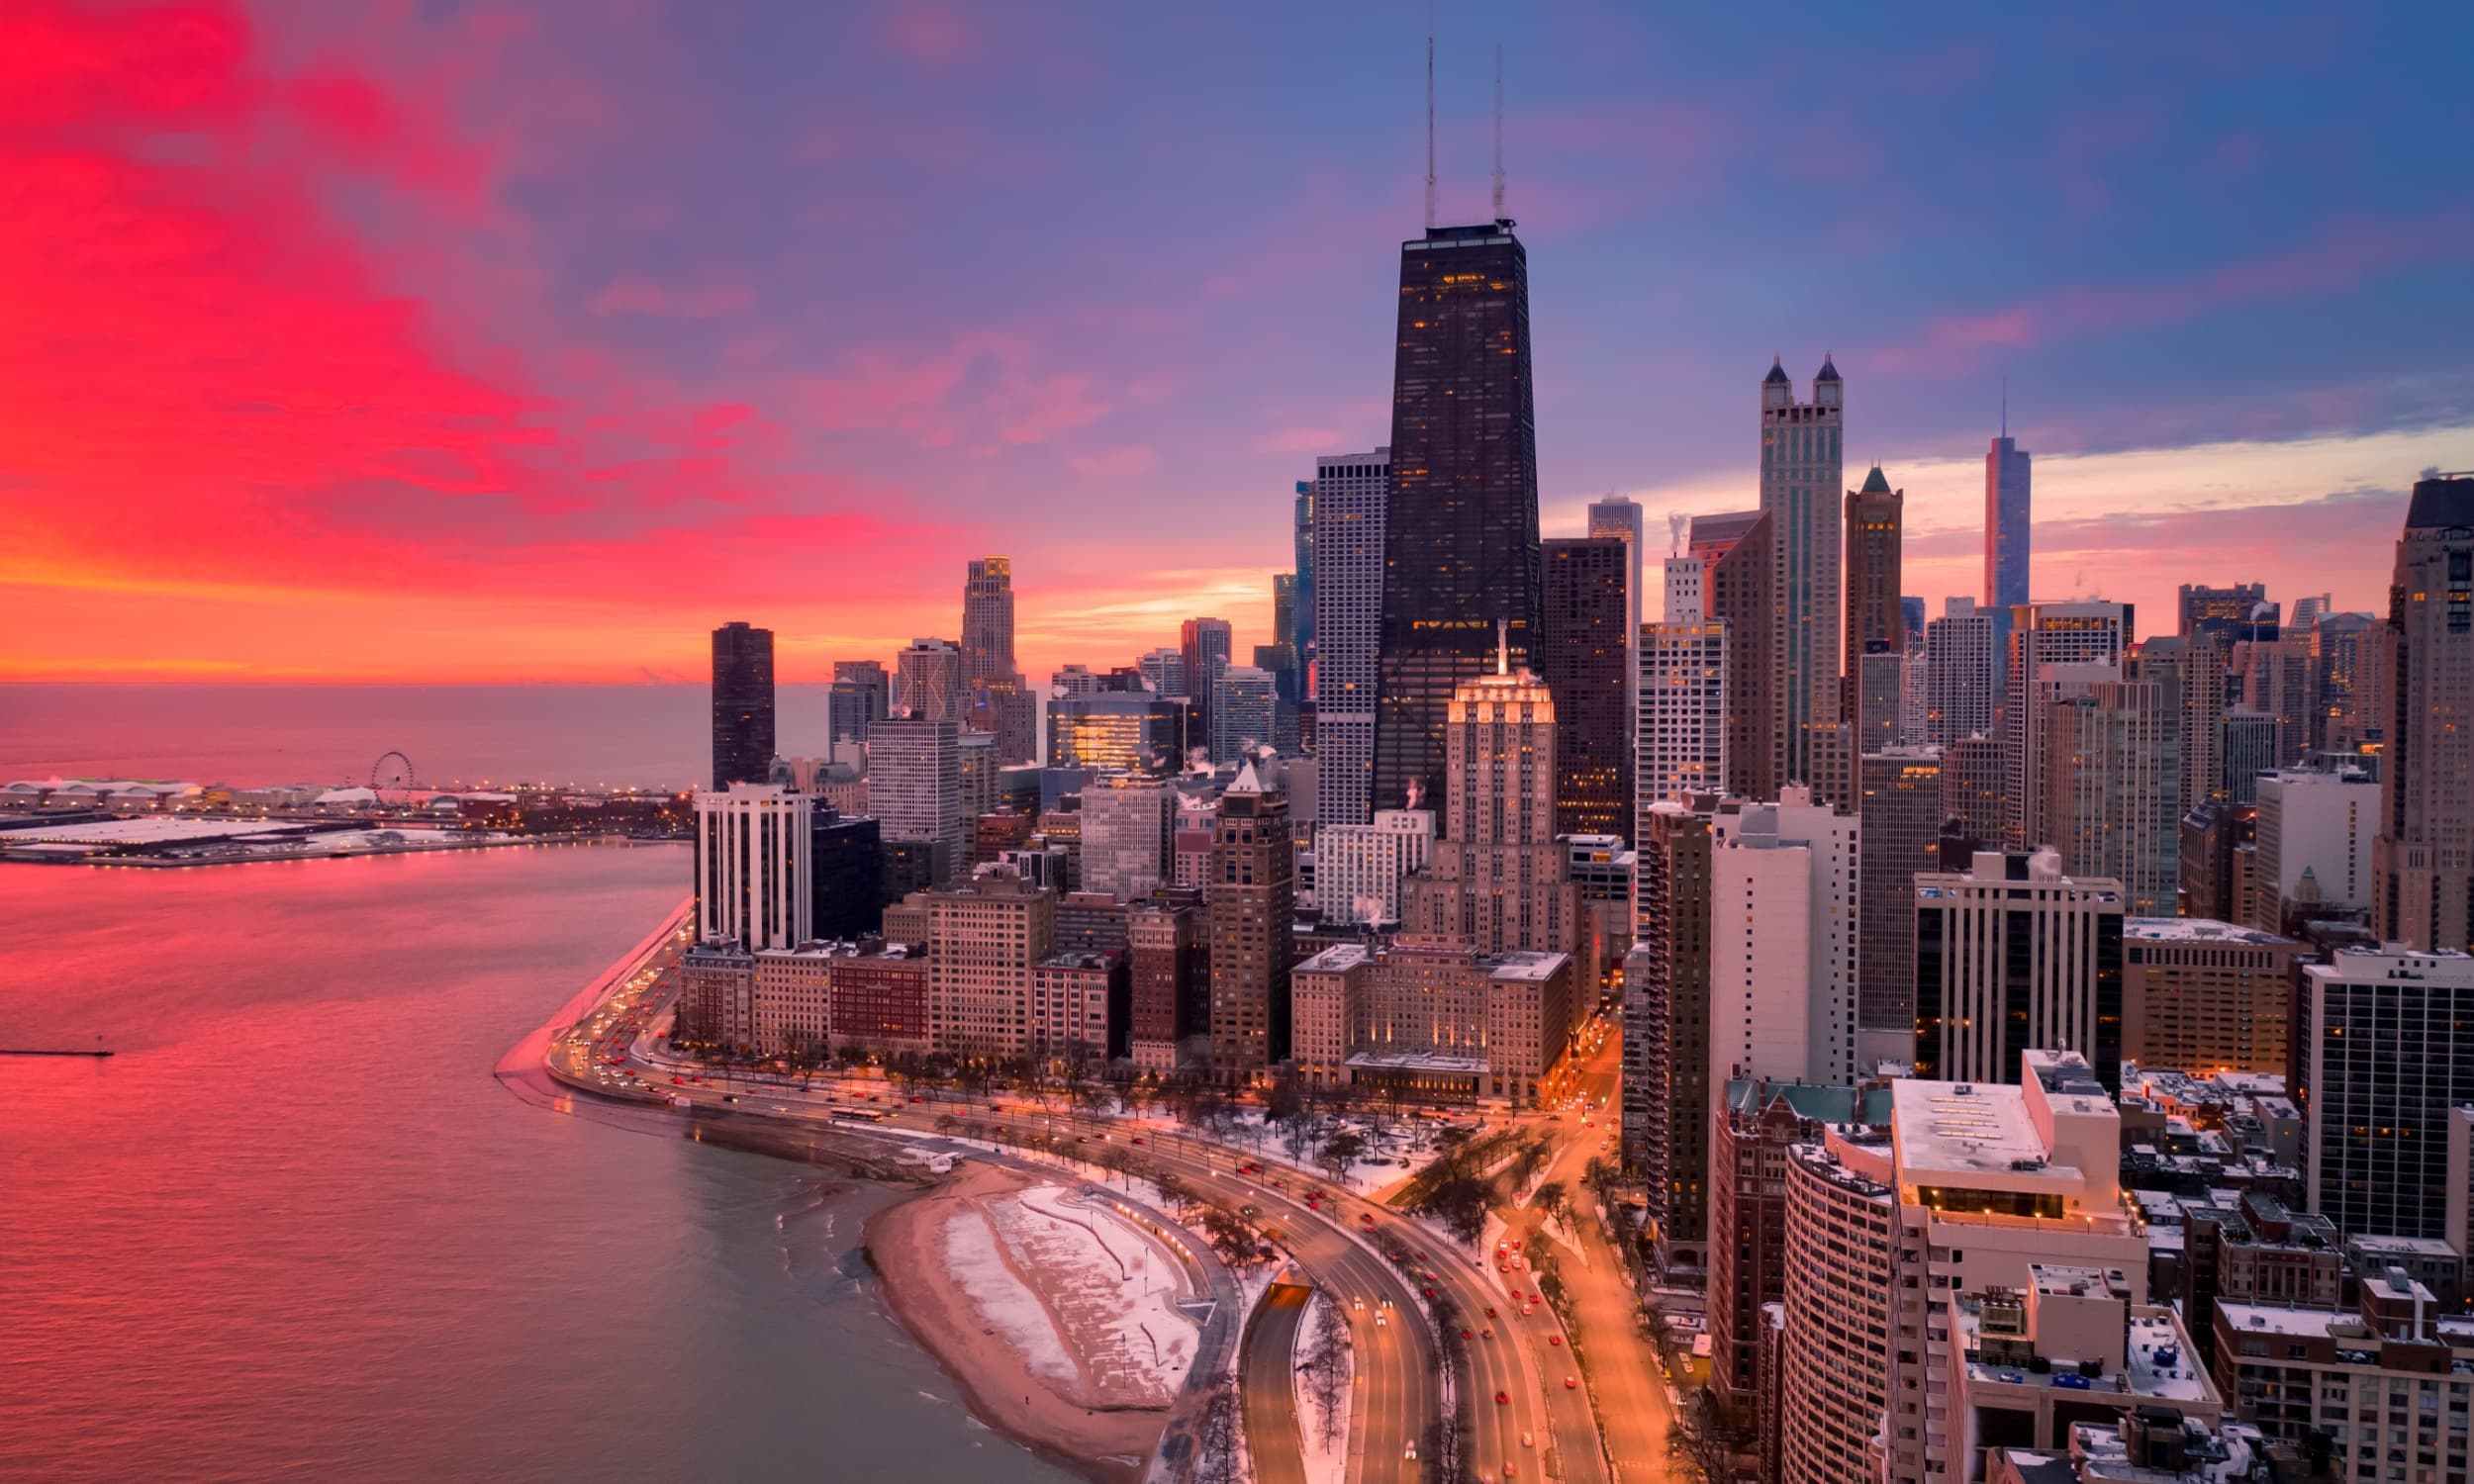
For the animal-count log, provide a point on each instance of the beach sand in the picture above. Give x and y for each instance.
(1061, 1405)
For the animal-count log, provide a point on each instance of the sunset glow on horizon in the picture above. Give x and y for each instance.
(495, 342)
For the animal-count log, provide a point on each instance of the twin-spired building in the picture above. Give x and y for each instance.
(1801, 466)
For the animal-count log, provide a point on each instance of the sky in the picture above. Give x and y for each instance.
(528, 342)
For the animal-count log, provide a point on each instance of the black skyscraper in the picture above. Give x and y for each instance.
(742, 705)
(1461, 534)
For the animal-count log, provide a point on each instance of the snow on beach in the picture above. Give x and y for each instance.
(1087, 1302)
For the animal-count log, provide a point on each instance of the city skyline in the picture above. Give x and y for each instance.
(571, 433)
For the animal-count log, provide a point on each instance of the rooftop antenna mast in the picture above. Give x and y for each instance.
(1430, 130)
(1499, 131)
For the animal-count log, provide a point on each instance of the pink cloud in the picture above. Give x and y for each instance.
(931, 35)
(637, 296)
(1124, 461)
(2335, 260)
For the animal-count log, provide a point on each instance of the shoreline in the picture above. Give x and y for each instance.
(934, 1313)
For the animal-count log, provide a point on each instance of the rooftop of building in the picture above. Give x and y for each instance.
(1963, 1129)
(2359, 963)
(2402, 1247)
(1819, 1103)
(1337, 959)
(2158, 1361)
(2197, 930)
(1407, 1061)
(1077, 958)
(1524, 964)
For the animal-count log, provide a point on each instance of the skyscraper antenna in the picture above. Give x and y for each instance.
(1503, 646)
(1430, 130)
(2005, 407)
(1498, 131)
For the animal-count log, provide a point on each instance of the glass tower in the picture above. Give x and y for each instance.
(1461, 533)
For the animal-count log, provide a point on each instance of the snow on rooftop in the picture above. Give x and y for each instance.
(2192, 929)
(1962, 1128)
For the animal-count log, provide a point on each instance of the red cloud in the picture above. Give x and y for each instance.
(247, 422)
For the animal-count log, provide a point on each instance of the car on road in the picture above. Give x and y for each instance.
(1466, 1335)
(1555, 1339)
(1528, 1440)
(1503, 1399)
(1382, 1322)
(1489, 1313)
(1488, 1334)
(1571, 1383)
(1411, 1454)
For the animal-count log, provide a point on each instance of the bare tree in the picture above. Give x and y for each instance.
(1705, 1444)
(1219, 1457)
(1325, 1367)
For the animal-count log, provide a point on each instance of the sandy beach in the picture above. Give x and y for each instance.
(1058, 1327)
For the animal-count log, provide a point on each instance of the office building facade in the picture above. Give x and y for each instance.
(1351, 493)
(1583, 650)
(2012, 954)
(2203, 995)
(2387, 1051)
(1899, 816)
(2423, 874)
(743, 705)
(914, 781)
(754, 886)
(1962, 672)
(2056, 650)
(1463, 508)
(1252, 911)
(1784, 901)
(1738, 583)
(1877, 621)
(927, 681)
(1500, 880)
(2009, 538)
(2113, 794)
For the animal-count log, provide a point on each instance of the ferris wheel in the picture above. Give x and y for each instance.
(391, 779)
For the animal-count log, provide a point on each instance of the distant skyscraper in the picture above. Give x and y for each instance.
(1961, 667)
(743, 705)
(2197, 671)
(1879, 687)
(1971, 788)
(2056, 650)
(2253, 741)
(2219, 615)
(1165, 671)
(861, 697)
(1620, 518)
(1461, 534)
(1876, 620)
(914, 781)
(2008, 533)
(2282, 680)
(2113, 789)
(987, 621)
(1581, 654)
(1204, 646)
(1303, 536)
(1137, 730)
(1350, 492)
(1911, 612)
(1683, 722)
(1801, 466)
(1899, 817)
(1244, 706)
(927, 681)
(1737, 588)
(1126, 823)
(2423, 876)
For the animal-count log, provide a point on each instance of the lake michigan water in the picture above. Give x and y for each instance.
(650, 735)
(296, 1229)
